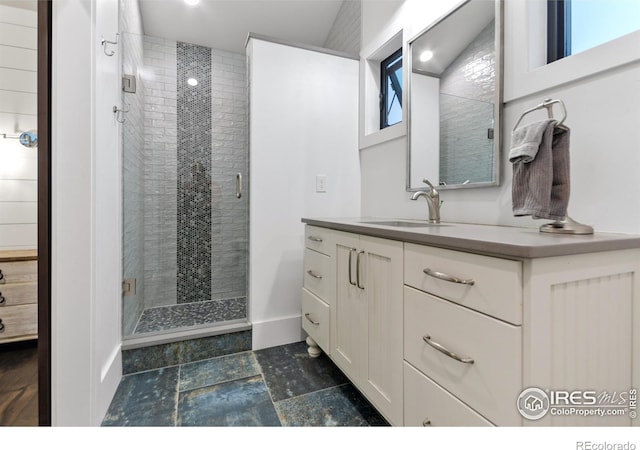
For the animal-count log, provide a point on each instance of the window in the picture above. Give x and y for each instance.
(577, 25)
(391, 90)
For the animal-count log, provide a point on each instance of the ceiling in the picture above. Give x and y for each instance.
(225, 24)
(451, 36)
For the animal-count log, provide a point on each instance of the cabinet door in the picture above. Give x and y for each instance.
(382, 285)
(349, 333)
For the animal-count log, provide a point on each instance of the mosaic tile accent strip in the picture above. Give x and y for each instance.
(194, 173)
(191, 314)
(174, 353)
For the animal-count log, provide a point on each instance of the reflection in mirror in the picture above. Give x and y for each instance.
(455, 99)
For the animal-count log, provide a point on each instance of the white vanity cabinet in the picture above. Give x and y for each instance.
(367, 319)
(318, 291)
(448, 326)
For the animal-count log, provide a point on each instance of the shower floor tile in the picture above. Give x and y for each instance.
(271, 387)
(163, 318)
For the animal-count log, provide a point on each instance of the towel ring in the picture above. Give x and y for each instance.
(548, 105)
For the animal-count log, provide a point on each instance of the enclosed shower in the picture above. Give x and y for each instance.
(185, 205)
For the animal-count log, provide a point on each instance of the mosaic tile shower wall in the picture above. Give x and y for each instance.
(194, 173)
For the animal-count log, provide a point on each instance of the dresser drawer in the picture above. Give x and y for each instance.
(490, 380)
(315, 319)
(18, 321)
(317, 275)
(18, 272)
(490, 285)
(18, 294)
(427, 404)
(319, 239)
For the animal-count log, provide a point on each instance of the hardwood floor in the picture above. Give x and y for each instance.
(19, 384)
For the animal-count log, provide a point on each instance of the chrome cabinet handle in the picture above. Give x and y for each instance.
(446, 351)
(2, 279)
(314, 239)
(449, 278)
(3, 300)
(358, 270)
(314, 275)
(1, 326)
(239, 185)
(426, 422)
(310, 319)
(351, 282)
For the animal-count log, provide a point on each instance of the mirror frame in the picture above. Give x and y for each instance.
(498, 98)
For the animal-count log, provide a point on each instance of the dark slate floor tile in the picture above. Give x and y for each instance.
(338, 406)
(145, 399)
(289, 371)
(218, 370)
(237, 403)
(174, 353)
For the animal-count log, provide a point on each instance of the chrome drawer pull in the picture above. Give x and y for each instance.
(351, 250)
(314, 275)
(1, 326)
(426, 422)
(358, 270)
(445, 277)
(314, 239)
(446, 351)
(3, 300)
(311, 320)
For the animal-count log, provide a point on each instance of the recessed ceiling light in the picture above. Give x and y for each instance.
(192, 82)
(426, 55)
(192, 2)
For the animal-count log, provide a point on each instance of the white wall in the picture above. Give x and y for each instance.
(603, 112)
(303, 123)
(18, 108)
(85, 297)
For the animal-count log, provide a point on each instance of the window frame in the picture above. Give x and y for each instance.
(558, 29)
(385, 70)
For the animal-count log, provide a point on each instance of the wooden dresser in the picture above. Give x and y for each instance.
(18, 295)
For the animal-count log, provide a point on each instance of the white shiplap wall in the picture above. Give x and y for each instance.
(18, 109)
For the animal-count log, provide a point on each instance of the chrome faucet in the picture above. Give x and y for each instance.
(433, 200)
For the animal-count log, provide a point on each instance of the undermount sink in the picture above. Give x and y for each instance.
(402, 223)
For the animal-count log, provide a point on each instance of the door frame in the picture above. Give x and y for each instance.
(44, 211)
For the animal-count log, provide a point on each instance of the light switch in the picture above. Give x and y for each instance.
(321, 183)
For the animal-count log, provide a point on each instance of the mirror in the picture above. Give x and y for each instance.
(455, 99)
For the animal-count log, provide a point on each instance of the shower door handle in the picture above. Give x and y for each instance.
(239, 185)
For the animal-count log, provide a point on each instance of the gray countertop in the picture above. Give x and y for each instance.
(485, 239)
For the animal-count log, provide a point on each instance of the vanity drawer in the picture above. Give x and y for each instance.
(18, 321)
(18, 272)
(427, 404)
(315, 319)
(18, 294)
(319, 239)
(497, 283)
(491, 383)
(317, 274)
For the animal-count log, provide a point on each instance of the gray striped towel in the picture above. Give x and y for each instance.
(540, 157)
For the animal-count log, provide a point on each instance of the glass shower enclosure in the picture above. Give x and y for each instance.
(185, 208)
